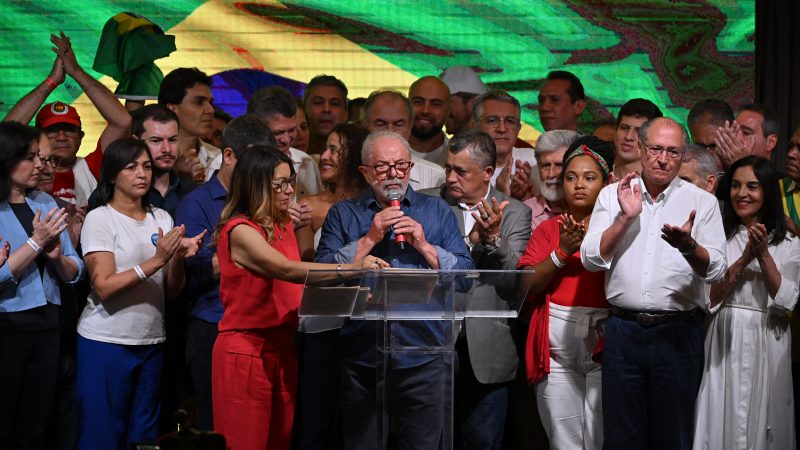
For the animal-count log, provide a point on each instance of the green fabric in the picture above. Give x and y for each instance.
(129, 57)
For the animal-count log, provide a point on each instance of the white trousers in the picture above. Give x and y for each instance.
(569, 398)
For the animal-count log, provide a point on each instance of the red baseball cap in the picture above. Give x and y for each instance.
(56, 113)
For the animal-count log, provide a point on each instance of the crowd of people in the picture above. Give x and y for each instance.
(164, 270)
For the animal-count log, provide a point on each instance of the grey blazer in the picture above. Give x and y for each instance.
(491, 348)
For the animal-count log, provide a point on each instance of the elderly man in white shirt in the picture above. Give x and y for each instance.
(661, 241)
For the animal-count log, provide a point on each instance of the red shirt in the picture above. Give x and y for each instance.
(64, 182)
(571, 286)
(252, 302)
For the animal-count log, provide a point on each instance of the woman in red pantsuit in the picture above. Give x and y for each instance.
(254, 367)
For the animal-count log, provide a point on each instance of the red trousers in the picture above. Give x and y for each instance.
(254, 385)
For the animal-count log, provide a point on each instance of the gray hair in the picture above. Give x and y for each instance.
(481, 147)
(706, 164)
(496, 95)
(369, 143)
(552, 140)
(644, 131)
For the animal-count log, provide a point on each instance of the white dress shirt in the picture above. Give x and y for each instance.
(425, 174)
(646, 273)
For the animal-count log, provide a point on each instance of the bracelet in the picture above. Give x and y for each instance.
(338, 271)
(561, 254)
(36, 248)
(50, 82)
(556, 261)
(139, 272)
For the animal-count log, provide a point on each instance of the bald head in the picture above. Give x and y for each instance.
(430, 105)
(388, 110)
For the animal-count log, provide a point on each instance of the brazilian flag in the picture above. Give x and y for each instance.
(128, 47)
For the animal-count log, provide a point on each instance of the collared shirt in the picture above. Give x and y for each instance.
(200, 210)
(32, 289)
(527, 155)
(209, 157)
(425, 174)
(646, 273)
(469, 221)
(177, 189)
(349, 220)
(540, 210)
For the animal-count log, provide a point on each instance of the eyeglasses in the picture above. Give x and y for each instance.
(657, 150)
(494, 121)
(382, 169)
(70, 131)
(281, 186)
(53, 160)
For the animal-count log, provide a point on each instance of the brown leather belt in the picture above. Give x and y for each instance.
(652, 318)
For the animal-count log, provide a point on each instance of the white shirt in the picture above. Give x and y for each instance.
(437, 155)
(210, 158)
(425, 174)
(134, 316)
(646, 273)
(308, 180)
(469, 220)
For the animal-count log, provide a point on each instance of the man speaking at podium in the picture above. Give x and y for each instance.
(367, 224)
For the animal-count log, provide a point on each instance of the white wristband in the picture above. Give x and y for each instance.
(34, 245)
(139, 272)
(557, 261)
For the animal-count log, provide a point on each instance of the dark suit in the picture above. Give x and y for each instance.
(487, 356)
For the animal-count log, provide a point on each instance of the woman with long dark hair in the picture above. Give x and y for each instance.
(254, 366)
(36, 255)
(745, 398)
(570, 306)
(134, 258)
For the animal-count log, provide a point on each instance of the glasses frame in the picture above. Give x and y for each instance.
(657, 150)
(281, 186)
(383, 173)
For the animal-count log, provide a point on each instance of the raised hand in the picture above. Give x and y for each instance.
(5, 250)
(503, 182)
(46, 231)
(189, 246)
(168, 243)
(300, 213)
(487, 220)
(75, 217)
(521, 181)
(680, 237)
(63, 48)
(758, 239)
(57, 73)
(729, 147)
(388, 217)
(629, 196)
(188, 166)
(571, 233)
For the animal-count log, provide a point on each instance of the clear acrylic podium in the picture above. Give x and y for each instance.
(417, 315)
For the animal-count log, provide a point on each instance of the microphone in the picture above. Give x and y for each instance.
(394, 197)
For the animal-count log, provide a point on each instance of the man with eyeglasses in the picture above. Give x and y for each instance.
(75, 177)
(367, 225)
(661, 240)
(497, 114)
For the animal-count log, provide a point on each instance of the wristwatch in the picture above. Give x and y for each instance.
(494, 243)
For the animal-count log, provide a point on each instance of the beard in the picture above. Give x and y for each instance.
(552, 192)
(426, 132)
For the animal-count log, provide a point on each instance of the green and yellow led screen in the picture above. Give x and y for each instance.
(673, 53)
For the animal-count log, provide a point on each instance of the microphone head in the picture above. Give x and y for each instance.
(394, 194)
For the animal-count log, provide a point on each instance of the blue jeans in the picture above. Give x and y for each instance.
(650, 380)
(118, 394)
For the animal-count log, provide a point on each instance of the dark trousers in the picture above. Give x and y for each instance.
(480, 408)
(317, 410)
(200, 338)
(414, 413)
(28, 376)
(63, 427)
(650, 380)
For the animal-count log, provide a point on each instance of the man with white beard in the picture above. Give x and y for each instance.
(550, 149)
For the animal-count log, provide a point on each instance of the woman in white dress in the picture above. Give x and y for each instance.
(745, 399)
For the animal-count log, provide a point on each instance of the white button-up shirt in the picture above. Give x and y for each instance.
(646, 273)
